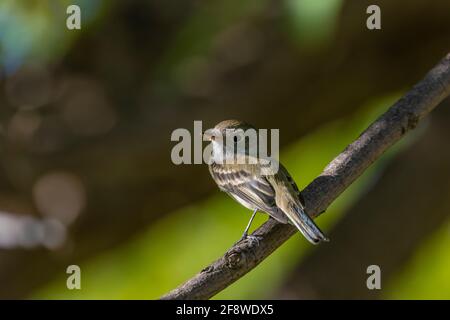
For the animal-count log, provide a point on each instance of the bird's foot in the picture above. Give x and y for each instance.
(250, 238)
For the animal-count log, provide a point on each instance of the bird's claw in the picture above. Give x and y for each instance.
(250, 238)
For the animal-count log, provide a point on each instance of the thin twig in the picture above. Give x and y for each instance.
(402, 117)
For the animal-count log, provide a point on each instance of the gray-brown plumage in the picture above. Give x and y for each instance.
(260, 190)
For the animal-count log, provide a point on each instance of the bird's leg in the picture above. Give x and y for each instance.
(245, 234)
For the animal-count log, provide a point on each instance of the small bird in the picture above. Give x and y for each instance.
(254, 187)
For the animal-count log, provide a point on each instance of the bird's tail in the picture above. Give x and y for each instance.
(302, 221)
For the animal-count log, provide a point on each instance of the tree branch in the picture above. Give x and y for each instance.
(403, 116)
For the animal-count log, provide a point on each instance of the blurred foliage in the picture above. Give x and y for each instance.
(31, 30)
(178, 244)
(312, 22)
(427, 276)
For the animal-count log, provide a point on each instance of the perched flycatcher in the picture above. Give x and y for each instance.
(254, 184)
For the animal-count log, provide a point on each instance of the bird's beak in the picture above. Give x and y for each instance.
(209, 135)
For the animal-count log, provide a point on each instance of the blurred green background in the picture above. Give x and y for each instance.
(85, 123)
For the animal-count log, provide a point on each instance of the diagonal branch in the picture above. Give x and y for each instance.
(403, 116)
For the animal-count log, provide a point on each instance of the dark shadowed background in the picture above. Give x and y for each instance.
(86, 117)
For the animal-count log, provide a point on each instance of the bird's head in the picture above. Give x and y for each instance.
(229, 137)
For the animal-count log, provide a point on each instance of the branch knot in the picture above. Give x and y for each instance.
(234, 259)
